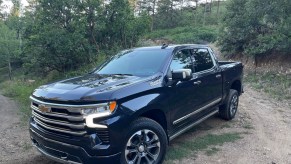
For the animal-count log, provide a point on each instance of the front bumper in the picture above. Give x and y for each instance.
(67, 153)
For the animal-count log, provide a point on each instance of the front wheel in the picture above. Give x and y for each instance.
(146, 143)
(228, 110)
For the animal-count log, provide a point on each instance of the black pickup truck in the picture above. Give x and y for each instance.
(133, 105)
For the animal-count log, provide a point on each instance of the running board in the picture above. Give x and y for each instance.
(198, 110)
(195, 123)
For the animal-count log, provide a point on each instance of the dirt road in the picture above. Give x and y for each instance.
(15, 145)
(264, 123)
(267, 127)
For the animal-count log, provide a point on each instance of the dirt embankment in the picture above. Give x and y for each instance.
(272, 63)
(264, 122)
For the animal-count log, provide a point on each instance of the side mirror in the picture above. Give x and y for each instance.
(182, 74)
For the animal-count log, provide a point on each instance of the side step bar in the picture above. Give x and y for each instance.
(191, 125)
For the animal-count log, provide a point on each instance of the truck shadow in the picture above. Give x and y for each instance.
(206, 137)
(38, 158)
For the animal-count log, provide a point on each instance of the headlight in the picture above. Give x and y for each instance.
(101, 110)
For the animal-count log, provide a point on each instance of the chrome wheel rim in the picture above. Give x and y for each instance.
(143, 147)
(233, 105)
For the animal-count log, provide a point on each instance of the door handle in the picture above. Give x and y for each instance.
(197, 82)
(218, 76)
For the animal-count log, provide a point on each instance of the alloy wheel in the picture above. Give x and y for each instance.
(143, 147)
(233, 105)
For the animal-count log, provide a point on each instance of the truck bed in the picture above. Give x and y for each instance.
(230, 70)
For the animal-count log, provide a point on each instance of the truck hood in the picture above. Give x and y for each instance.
(91, 87)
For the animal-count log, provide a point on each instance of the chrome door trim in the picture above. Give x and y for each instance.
(197, 111)
(191, 125)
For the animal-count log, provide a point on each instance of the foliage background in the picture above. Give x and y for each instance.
(51, 38)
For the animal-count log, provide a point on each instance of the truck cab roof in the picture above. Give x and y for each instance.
(171, 47)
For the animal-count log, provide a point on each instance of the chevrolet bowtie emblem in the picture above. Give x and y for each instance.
(44, 108)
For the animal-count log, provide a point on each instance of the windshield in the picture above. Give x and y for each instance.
(137, 62)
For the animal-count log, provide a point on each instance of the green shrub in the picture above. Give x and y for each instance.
(182, 35)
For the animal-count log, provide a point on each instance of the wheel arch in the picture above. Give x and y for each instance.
(237, 85)
(158, 116)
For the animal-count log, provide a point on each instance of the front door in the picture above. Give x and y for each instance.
(193, 96)
(187, 94)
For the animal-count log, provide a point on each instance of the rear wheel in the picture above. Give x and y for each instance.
(228, 110)
(146, 143)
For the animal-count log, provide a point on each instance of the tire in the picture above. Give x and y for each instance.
(228, 110)
(146, 142)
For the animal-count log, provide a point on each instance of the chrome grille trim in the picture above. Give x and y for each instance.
(79, 133)
(69, 117)
(66, 119)
(57, 122)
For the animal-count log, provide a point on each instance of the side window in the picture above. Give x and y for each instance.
(202, 59)
(182, 60)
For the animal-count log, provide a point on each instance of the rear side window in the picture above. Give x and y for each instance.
(182, 60)
(202, 59)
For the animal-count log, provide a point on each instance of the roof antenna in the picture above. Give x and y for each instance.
(165, 45)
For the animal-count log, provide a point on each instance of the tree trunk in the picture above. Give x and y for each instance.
(91, 27)
(218, 6)
(153, 15)
(10, 69)
(211, 6)
(182, 5)
(140, 6)
(256, 64)
(152, 23)
(196, 10)
(172, 12)
(204, 15)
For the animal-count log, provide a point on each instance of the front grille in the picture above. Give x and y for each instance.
(59, 119)
(63, 119)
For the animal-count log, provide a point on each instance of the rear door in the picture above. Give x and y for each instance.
(208, 75)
